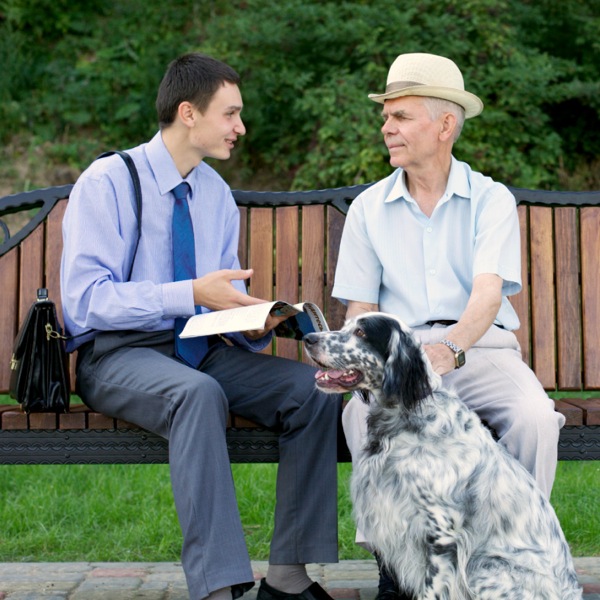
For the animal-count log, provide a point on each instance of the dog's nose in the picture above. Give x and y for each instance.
(310, 338)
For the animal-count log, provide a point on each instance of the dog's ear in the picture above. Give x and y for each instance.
(405, 375)
(363, 395)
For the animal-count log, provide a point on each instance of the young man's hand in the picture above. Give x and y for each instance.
(215, 290)
(272, 322)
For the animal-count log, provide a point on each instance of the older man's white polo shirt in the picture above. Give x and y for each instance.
(422, 268)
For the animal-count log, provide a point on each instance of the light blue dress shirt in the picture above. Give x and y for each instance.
(422, 268)
(99, 233)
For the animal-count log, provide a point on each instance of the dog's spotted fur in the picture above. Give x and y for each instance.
(451, 513)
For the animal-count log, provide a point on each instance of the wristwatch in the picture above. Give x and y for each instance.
(459, 353)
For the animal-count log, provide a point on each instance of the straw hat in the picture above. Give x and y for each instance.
(422, 74)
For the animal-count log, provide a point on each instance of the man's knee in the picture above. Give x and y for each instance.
(536, 418)
(201, 402)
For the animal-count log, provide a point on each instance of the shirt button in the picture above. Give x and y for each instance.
(429, 229)
(432, 271)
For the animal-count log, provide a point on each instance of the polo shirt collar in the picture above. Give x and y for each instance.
(398, 189)
(458, 184)
(458, 181)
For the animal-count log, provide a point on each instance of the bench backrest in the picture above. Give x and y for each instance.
(291, 239)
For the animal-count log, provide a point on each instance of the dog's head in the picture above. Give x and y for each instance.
(375, 352)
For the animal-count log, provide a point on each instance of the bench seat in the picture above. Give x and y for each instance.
(291, 239)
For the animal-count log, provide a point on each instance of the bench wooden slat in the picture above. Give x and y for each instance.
(590, 273)
(100, 421)
(568, 309)
(31, 268)
(53, 252)
(9, 313)
(313, 254)
(313, 259)
(76, 419)
(521, 301)
(43, 421)
(287, 247)
(573, 414)
(260, 254)
(14, 419)
(243, 240)
(590, 408)
(336, 311)
(543, 316)
(237, 421)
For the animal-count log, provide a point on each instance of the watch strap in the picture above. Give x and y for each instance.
(452, 346)
(459, 353)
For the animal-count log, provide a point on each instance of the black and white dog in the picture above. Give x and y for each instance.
(450, 512)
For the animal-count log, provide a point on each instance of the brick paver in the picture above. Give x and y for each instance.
(347, 580)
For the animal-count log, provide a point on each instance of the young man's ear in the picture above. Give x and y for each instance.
(186, 113)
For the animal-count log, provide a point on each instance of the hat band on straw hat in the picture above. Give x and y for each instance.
(470, 103)
(400, 85)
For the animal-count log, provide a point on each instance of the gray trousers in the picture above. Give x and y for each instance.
(134, 376)
(502, 390)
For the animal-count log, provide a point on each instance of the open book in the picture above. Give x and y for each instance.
(303, 318)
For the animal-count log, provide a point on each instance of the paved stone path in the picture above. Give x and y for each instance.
(347, 580)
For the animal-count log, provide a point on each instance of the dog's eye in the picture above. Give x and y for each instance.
(358, 332)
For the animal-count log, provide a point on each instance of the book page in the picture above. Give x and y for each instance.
(230, 320)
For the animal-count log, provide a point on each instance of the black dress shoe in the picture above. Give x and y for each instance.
(239, 589)
(388, 588)
(312, 592)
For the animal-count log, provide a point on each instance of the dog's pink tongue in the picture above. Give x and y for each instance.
(333, 374)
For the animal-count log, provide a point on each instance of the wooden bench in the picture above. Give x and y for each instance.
(291, 239)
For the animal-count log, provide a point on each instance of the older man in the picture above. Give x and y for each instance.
(437, 244)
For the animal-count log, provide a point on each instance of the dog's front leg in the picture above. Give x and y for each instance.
(445, 577)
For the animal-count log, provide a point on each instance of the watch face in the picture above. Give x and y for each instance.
(459, 358)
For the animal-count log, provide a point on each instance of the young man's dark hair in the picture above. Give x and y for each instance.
(195, 78)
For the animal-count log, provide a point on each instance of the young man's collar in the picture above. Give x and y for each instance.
(162, 164)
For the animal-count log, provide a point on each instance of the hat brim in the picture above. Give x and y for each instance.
(470, 102)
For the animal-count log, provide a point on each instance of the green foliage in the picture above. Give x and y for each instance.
(90, 70)
(307, 69)
(567, 33)
(82, 75)
(48, 20)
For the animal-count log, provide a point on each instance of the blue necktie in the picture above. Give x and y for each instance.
(191, 350)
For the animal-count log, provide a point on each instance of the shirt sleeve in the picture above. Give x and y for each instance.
(99, 234)
(358, 272)
(497, 240)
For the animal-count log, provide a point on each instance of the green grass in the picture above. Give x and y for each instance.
(575, 499)
(126, 512)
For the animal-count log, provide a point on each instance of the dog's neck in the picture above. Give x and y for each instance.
(388, 420)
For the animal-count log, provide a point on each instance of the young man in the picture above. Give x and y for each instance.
(437, 244)
(132, 365)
